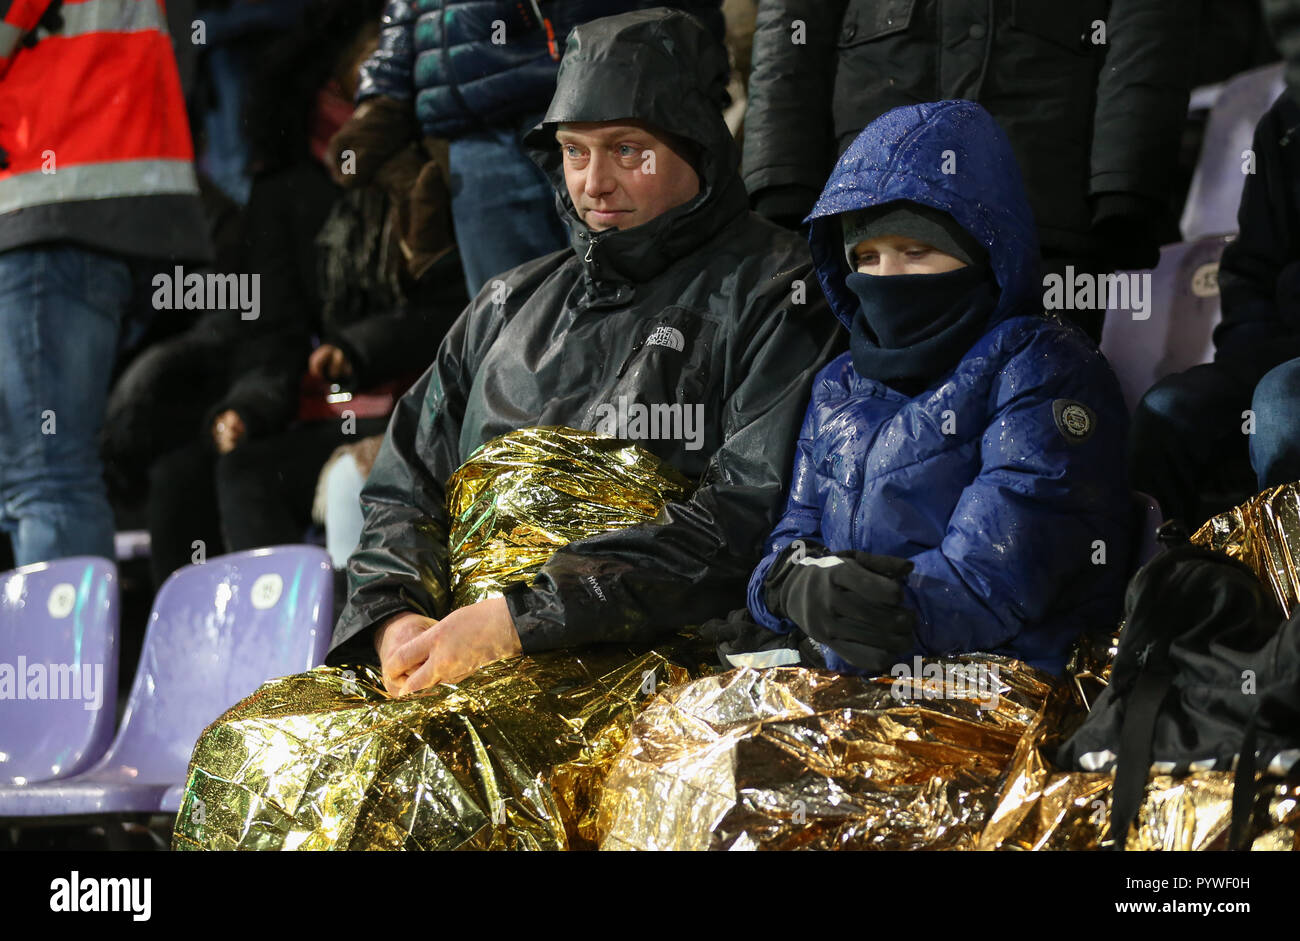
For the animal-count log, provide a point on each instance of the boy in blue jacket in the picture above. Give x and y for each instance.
(959, 481)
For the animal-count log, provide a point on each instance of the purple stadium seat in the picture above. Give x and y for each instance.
(1178, 332)
(58, 642)
(216, 632)
(1211, 207)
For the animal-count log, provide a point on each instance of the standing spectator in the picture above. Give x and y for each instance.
(486, 74)
(1092, 94)
(96, 175)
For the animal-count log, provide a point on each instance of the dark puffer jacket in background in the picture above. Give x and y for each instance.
(1095, 128)
(441, 53)
(571, 334)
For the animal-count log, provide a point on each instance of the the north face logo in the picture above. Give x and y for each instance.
(665, 335)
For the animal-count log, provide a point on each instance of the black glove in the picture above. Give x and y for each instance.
(853, 604)
(1129, 230)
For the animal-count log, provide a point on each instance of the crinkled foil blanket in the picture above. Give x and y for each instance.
(790, 758)
(512, 758)
(525, 494)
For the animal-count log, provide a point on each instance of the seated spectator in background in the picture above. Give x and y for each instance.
(959, 468)
(1194, 430)
(96, 186)
(485, 73)
(671, 292)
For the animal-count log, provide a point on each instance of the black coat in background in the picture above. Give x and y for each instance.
(1095, 128)
(1259, 274)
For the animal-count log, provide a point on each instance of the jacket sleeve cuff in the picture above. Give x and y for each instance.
(787, 203)
(1115, 205)
(538, 618)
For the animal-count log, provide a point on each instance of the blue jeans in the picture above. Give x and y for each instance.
(502, 204)
(225, 156)
(1275, 445)
(60, 311)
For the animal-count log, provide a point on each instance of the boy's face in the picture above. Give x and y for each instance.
(621, 174)
(898, 254)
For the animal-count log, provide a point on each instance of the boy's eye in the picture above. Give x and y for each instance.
(917, 252)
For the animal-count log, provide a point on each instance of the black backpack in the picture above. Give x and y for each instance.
(1207, 675)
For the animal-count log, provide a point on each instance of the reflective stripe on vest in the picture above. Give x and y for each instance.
(9, 36)
(107, 16)
(98, 181)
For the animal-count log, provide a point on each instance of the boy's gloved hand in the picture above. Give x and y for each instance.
(851, 601)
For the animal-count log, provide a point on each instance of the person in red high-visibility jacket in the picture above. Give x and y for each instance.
(96, 180)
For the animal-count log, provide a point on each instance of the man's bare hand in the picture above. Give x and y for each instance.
(329, 362)
(392, 636)
(456, 647)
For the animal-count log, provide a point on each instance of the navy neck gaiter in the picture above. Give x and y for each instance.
(912, 328)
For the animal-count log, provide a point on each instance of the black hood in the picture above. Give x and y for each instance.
(664, 68)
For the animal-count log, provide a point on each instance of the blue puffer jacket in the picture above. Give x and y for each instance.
(1003, 491)
(442, 53)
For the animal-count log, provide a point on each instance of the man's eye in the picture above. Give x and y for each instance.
(626, 150)
(571, 152)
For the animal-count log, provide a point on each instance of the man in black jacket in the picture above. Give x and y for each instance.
(1200, 424)
(1092, 94)
(671, 292)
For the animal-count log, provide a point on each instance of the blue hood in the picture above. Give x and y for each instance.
(901, 155)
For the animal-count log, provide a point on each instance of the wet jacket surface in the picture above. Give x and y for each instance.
(978, 479)
(550, 341)
(442, 54)
(1085, 118)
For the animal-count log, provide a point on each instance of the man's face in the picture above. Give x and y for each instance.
(898, 254)
(621, 174)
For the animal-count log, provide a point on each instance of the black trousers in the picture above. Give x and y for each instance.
(265, 486)
(182, 508)
(1186, 439)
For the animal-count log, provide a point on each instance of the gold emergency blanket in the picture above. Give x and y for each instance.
(1263, 532)
(510, 758)
(791, 758)
(1044, 809)
(527, 493)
